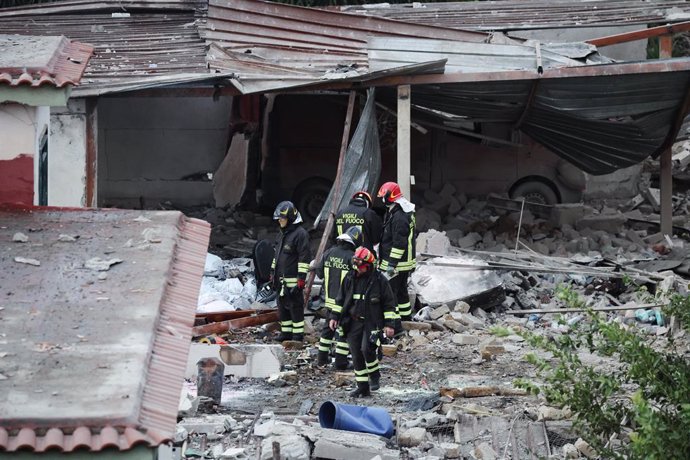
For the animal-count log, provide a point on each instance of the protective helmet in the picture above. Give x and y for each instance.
(363, 196)
(390, 192)
(287, 210)
(363, 260)
(353, 235)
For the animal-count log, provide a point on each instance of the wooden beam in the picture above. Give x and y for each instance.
(234, 324)
(91, 172)
(403, 160)
(666, 178)
(641, 34)
(336, 192)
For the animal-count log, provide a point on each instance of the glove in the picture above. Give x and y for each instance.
(390, 271)
(301, 283)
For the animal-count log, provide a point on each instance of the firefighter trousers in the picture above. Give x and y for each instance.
(291, 313)
(399, 287)
(364, 352)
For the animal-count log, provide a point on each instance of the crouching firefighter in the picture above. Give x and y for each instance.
(333, 267)
(289, 271)
(368, 308)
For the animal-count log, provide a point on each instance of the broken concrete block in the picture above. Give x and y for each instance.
(414, 325)
(337, 444)
(653, 197)
(180, 435)
(491, 347)
(485, 452)
(454, 235)
(342, 379)
(570, 451)
(552, 413)
(451, 450)
(252, 361)
(568, 214)
(433, 242)
(438, 312)
(412, 437)
(234, 453)
(585, 449)
(283, 378)
(455, 326)
(389, 350)
(462, 307)
(464, 339)
(611, 223)
(469, 240)
(448, 190)
(469, 320)
(292, 447)
(454, 207)
(20, 238)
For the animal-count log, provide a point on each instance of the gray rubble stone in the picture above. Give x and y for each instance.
(438, 312)
(455, 326)
(455, 206)
(448, 190)
(468, 320)
(469, 240)
(464, 339)
(450, 449)
(233, 453)
(352, 449)
(412, 437)
(570, 451)
(292, 447)
(485, 452)
(585, 449)
(461, 306)
(454, 235)
(611, 223)
(433, 242)
(568, 213)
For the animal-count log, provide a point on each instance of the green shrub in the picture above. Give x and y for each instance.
(637, 409)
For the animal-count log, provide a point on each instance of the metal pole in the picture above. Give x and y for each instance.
(336, 191)
(404, 170)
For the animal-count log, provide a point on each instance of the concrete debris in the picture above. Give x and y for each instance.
(28, 261)
(67, 238)
(584, 247)
(234, 453)
(98, 264)
(20, 238)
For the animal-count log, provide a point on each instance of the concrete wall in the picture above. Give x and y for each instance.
(67, 155)
(631, 51)
(156, 149)
(17, 148)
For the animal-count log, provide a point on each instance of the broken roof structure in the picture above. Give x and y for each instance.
(47, 64)
(97, 308)
(509, 15)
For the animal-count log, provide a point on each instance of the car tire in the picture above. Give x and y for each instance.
(535, 192)
(310, 196)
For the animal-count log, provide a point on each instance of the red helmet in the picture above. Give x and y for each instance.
(363, 260)
(364, 196)
(390, 192)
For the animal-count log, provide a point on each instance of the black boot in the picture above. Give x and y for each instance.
(340, 362)
(298, 337)
(362, 390)
(374, 380)
(284, 336)
(323, 359)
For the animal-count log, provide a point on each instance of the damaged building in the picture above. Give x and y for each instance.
(222, 109)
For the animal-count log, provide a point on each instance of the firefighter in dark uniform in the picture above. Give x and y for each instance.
(334, 265)
(397, 249)
(289, 271)
(368, 309)
(359, 213)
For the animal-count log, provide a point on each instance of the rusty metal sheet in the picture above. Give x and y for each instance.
(94, 358)
(507, 15)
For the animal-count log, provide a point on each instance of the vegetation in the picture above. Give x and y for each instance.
(637, 409)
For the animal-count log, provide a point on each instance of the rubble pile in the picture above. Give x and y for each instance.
(448, 381)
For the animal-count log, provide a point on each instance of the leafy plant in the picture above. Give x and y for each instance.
(500, 331)
(635, 407)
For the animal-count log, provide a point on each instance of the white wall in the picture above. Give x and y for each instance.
(67, 155)
(17, 127)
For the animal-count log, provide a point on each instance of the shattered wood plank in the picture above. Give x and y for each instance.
(478, 392)
(575, 310)
(234, 324)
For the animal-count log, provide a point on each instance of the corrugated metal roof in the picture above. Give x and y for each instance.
(136, 44)
(507, 15)
(270, 46)
(92, 361)
(38, 61)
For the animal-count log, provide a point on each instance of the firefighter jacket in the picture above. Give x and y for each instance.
(397, 247)
(357, 213)
(332, 268)
(367, 298)
(292, 256)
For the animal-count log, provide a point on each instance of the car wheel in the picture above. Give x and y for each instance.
(310, 196)
(535, 192)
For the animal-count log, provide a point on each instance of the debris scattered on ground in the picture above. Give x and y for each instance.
(28, 261)
(20, 238)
